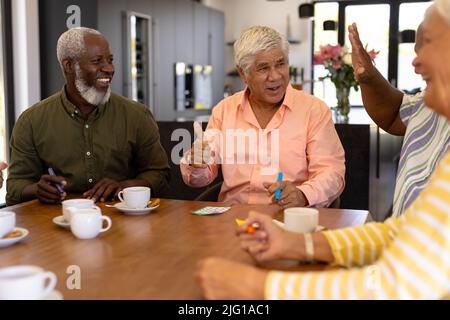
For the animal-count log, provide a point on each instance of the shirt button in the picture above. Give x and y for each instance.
(90, 180)
(88, 153)
(86, 126)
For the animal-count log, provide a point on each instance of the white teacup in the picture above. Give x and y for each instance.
(135, 197)
(301, 220)
(77, 204)
(88, 223)
(7, 222)
(25, 283)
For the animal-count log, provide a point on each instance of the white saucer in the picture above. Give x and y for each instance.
(60, 221)
(134, 212)
(54, 295)
(8, 242)
(281, 224)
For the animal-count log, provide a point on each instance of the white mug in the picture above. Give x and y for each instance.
(301, 220)
(7, 222)
(88, 223)
(25, 283)
(135, 197)
(77, 204)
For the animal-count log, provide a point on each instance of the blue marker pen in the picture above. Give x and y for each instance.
(57, 185)
(278, 191)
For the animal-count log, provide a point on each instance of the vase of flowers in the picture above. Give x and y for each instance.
(338, 62)
(343, 104)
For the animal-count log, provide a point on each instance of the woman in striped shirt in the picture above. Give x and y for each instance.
(405, 258)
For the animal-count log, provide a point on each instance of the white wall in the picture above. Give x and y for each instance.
(241, 14)
(27, 76)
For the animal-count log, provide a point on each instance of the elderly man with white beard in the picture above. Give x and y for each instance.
(97, 142)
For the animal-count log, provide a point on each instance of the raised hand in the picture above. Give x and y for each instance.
(3, 166)
(361, 60)
(201, 152)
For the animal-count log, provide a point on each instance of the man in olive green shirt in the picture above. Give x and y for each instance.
(96, 141)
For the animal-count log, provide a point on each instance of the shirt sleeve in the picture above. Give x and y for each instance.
(409, 106)
(326, 159)
(25, 167)
(362, 245)
(414, 265)
(150, 158)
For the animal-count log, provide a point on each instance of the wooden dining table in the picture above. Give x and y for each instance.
(152, 256)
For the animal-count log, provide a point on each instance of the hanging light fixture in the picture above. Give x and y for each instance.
(407, 36)
(306, 10)
(330, 25)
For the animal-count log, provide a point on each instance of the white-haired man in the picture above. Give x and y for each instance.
(405, 257)
(96, 141)
(278, 128)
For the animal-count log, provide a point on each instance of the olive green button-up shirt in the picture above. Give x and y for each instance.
(119, 140)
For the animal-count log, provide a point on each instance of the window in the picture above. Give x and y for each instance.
(324, 11)
(3, 101)
(409, 19)
(379, 23)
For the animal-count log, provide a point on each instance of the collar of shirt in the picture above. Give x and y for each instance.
(277, 119)
(73, 111)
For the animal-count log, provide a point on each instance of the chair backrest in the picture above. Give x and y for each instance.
(210, 194)
(336, 204)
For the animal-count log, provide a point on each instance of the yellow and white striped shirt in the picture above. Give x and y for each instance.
(405, 258)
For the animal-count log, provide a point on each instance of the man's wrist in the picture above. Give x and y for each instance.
(29, 192)
(303, 198)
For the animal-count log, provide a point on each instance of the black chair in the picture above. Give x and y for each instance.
(212, 194)
(336, 204)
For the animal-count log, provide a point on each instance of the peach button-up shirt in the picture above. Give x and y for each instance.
(300, 140)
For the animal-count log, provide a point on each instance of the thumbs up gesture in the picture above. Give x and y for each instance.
(201, 152)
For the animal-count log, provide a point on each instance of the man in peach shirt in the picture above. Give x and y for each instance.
(266, 129)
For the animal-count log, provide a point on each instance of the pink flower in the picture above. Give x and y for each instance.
(336, 51)
(373, 54)
(327, 52)
(318, 58)
(337, 64)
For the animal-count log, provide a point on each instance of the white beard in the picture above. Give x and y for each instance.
(90, 94)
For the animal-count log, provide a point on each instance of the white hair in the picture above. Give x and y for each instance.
(254, 40)
(71, 43)
(443, 9)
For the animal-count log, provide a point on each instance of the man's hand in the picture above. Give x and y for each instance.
(362, 63)
(291, 196)
(103, 190)
(46, 190)
(3, 166)
(201, 152)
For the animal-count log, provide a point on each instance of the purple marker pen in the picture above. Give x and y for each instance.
(57, 185)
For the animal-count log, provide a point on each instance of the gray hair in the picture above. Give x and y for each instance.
(255, 40)
(71, 43)
(443, 9)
